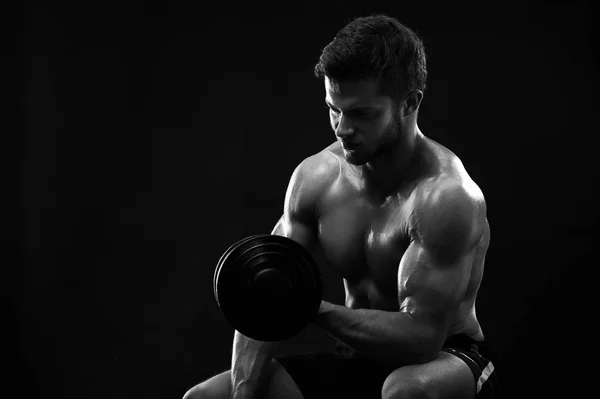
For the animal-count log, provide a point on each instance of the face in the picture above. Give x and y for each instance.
(364, 121)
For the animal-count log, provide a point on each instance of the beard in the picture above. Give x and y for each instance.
(388, 142)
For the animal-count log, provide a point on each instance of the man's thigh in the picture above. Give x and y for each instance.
(445, 377)
(277, 384)
(280, 384)
(216, 387)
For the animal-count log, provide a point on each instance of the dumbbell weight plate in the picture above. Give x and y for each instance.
(268, 287)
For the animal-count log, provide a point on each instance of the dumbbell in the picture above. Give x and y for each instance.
(268, 287)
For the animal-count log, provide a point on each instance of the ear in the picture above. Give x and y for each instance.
(413, 100)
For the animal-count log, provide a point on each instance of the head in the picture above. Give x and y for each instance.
(375, 74)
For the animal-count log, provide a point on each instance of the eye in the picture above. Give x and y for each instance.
(364, 112)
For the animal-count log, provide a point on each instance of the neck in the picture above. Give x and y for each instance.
(393, 165)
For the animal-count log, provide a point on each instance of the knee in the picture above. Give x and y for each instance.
(192, 394)
(405, 386)
(197, 392)
(206, 390)
(217, 387)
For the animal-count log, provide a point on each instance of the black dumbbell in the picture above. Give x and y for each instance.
(268, 287)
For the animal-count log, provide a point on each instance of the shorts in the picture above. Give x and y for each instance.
(346, 373)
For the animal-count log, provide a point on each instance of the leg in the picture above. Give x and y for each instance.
(278, 384)
(217, 387)
(446, 377)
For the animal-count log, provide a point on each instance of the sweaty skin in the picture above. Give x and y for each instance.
(418, 248)
(396, 215)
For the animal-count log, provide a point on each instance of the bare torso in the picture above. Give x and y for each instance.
(363, 236)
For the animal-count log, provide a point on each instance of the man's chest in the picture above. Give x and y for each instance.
(361, 239)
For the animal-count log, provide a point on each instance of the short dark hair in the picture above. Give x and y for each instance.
(379, 47)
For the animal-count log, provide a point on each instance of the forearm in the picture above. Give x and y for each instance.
(391, 337)
(249, 360)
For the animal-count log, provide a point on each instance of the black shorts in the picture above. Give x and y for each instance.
(345, 373)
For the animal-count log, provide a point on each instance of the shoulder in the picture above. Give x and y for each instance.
(449, 211)
(446, 197)
(310, 179)
(316, 171)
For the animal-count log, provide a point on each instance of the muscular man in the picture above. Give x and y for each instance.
(401, 221)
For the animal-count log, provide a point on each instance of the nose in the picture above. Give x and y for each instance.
(344, 128)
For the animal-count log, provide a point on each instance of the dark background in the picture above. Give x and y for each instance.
(154, 136)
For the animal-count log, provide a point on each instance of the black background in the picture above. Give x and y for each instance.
(154, 136)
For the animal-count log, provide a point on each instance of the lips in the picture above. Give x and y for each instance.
(349, 146)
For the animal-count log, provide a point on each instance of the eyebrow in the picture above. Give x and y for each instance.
(354, 108)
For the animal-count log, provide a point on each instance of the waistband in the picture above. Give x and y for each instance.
(462, 341)
(457, 341)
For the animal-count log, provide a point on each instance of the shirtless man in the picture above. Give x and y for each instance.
(401, 221)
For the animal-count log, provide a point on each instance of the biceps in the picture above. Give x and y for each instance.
(297, 230)
(430, 290)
